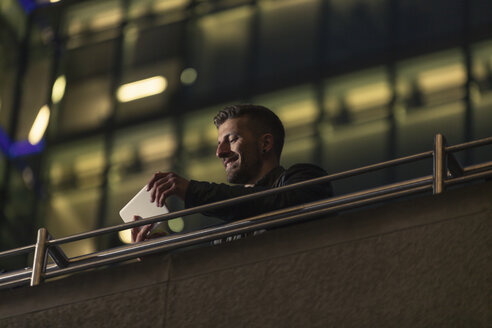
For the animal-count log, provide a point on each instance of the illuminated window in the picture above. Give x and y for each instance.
(287, 35)
(75, 174)
(138, 153)
(358, 97)
(431, 88)
(200, 133)
(432, 79)
(87, 104)
(219, 49)
(34, 96)
(92, 16)
(147, 89)
(355, 30)
(298, 111)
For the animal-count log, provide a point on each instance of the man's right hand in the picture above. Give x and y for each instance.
(164, 184)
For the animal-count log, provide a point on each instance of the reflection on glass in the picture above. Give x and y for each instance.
(71, 212)
(296, 107)
(39, 126)
(138, 153)
(432, 79)
(141, 89)
(92, 16)
(36, 87)
(219, 49)
(482, 98)
(200, 134)
(189, 76)
(87, 104)
(358, 97)
(58, 89)
(75, 165)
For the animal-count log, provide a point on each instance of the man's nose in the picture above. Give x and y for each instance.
(222, 149)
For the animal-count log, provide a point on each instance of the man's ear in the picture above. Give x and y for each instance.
(266, 142)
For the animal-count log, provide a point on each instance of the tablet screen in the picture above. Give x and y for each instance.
(140, 205)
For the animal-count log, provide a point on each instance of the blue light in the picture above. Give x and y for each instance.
(27, 5)
(19, 148)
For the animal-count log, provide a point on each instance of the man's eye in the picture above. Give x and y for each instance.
(233, 139)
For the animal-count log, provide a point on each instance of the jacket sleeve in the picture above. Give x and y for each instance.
(200, 193)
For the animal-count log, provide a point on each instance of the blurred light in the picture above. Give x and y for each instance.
(188, 76)
(28, 177)
(125, 236)
(106, 19)
(58, 89)
(141, 89)
(54, 1)
(168, 5)
(298, 113)
(39, 126)
(442, 78)
(176, 225)
(158, 147)
(377, 94)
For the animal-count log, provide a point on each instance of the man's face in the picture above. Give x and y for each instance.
(240, 151)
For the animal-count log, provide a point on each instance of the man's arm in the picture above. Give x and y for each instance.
(200, 193)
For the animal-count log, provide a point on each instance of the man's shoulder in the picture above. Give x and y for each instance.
(305, 167)
(300, 172)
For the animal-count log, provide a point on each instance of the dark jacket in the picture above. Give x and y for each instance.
(200, 193)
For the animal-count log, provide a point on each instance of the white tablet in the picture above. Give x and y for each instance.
(140, 205)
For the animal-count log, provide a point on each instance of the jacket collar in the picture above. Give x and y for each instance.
(271, 177)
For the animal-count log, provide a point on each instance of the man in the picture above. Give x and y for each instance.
(250, 142)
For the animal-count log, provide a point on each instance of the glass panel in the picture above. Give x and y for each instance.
(200, 144)
(200, 163)
(139, 8)
(430, 93)
(352, 146)
(287, 37)
(75, 173)
(480, 17)
(155, 96)
(219, 51)
(422, 21)
(481, 96)
(138, 153)
(8, 75)
(13, 14)
(358, 97)
(86, 105)
(36, 86)
(356, 29)
(92, 16)
(356, 130)
(298, 111)
(3, 162)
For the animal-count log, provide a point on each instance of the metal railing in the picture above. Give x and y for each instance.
(447, 171)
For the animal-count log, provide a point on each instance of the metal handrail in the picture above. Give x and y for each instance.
(437, 183)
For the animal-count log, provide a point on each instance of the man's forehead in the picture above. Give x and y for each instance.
(234, 125)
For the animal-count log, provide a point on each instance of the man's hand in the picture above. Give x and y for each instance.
(144, 232)
(164, 184)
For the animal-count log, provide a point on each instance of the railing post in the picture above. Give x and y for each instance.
(39, 261)
(439, 164)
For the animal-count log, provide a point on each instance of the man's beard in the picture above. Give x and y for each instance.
(244, 173)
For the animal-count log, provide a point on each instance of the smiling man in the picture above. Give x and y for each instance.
(250, 142)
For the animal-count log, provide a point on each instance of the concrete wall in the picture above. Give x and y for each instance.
(423, 262)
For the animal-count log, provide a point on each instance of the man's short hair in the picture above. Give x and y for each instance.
(265, 122)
